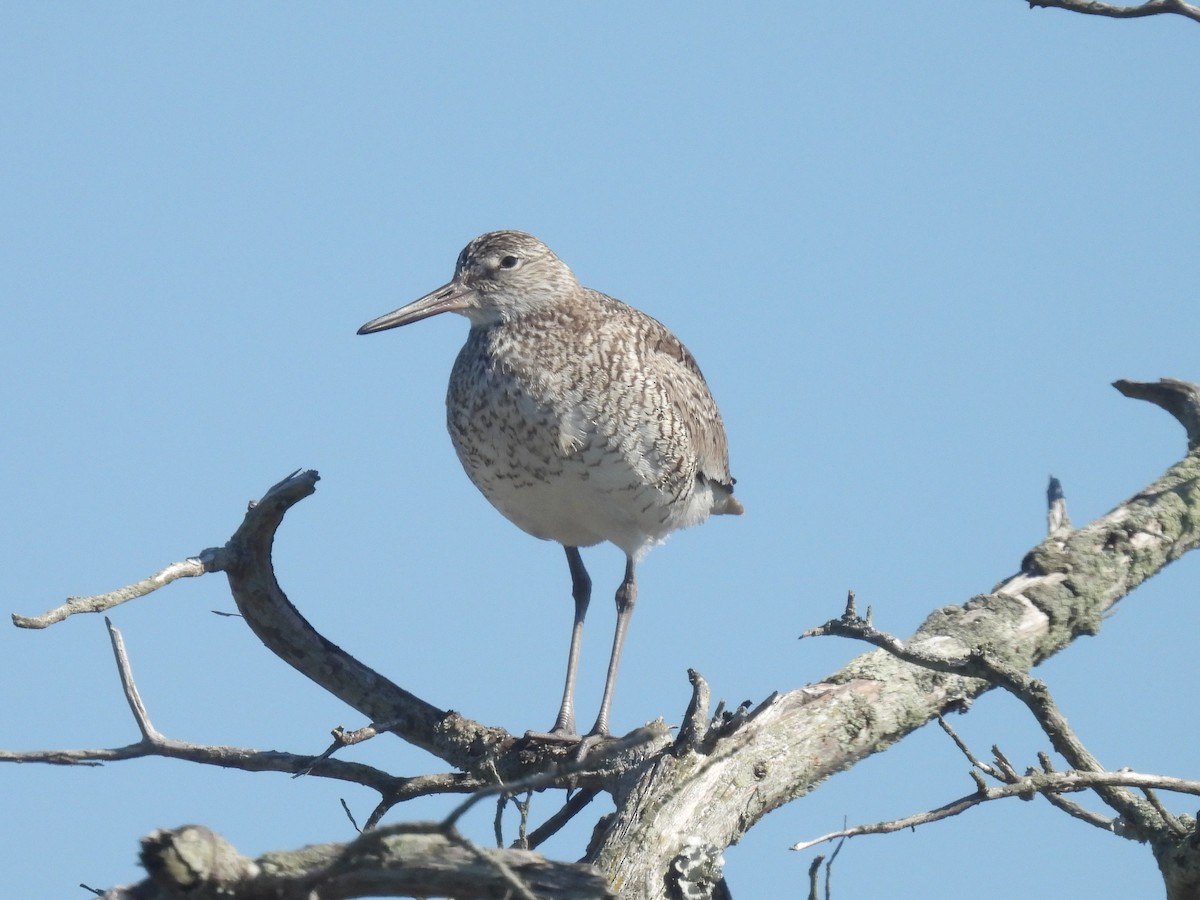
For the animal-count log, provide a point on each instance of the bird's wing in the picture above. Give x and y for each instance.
(689, 394)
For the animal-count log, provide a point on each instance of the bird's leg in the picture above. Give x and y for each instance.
(581, 590)
(626, 595)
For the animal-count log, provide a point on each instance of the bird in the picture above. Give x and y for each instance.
(580, 418)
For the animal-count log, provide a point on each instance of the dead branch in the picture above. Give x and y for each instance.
(1112, 10)
(1038, 783)
(1145, 820)
(1030, 691)
(1180, 398)
(410, 860)
(208, 561)
(246, 560)
(750, 761)
(155, 743)
(576, 804)
(1065, 587)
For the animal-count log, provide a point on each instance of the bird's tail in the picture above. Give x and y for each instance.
(728, 506)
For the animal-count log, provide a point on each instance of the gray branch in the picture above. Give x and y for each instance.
(471, 747)
(154, 743)
(208, 561)
(1141, 820)
(1050, 784)
(1116, 11)
(680, 803)
(414, 860)
(1064, 588)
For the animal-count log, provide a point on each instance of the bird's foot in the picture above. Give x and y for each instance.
(587, 742)
(555, 736)
(563, 731)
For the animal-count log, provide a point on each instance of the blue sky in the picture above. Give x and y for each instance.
(911, 246)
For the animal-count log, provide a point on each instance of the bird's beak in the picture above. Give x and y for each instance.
(452, 297)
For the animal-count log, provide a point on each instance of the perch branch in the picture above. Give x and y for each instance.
(246, 560)
(612, 756)
(1064, 588)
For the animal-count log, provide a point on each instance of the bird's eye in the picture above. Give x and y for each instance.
(509, 262)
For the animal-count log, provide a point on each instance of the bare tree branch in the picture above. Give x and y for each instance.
(695, 719)
(1112, 10)
(149, 733)
(246, 560)
(208, 561)
(1039, 783)
(1172, 840)
(1030, 691)
(1180, 398)
(748, 761)
(579, 801)
(980, 765)
(411, 860)
(1065, 587)
(613, 756)
(343, 738)
(154, 743)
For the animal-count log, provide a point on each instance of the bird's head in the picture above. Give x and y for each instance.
(499, 276)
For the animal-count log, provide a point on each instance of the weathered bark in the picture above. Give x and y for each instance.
(1120, 11)
(1178, 858)
(1065, 585)
(680, 805)
(195, 863)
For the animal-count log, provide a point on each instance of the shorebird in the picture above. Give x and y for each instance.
(581, 419)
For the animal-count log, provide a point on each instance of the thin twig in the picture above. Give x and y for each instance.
(829, 867)
(498, 820)
(343, 738)
(574, 805)
(1082, 813)
(553, 777)
(349, 815)
(125, 671)
(211, 560)
(1059, 782)
(1168, 817)
(154, 743)
(965, 750)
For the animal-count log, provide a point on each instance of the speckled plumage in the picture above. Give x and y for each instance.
(588, 422)
(580, 418)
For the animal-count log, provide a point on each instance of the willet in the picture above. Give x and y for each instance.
(580, 419)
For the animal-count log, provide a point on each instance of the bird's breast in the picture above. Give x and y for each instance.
(565, 447)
